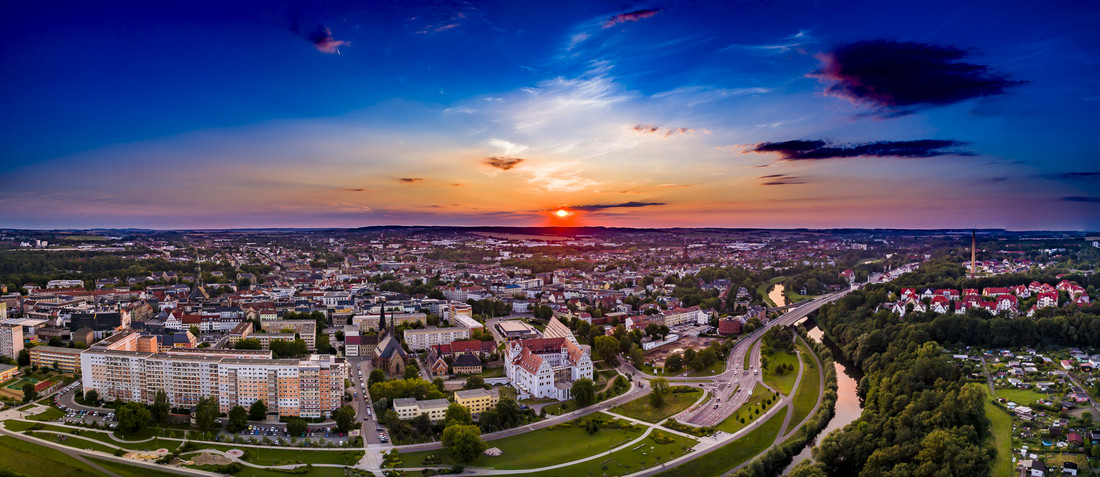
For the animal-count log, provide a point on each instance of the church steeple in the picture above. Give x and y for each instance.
(382, 321)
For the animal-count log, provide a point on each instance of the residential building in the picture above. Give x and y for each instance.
(11, 340)
(306, 329)
(423, 339)
(546, 367)
(477, 400)
(309, 388)
(409, 408)
(7, 372)
(67, 359)
(467, 364)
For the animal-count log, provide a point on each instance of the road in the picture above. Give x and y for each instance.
(358, 372)
(731, 389)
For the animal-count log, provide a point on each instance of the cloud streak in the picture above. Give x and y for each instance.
(324, 42)
(807, 150)
(631, 17)
(409, 180)
(899, 78)
(781, 179)
(622, 205)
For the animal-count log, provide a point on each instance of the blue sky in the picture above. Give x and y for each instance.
(739, 114)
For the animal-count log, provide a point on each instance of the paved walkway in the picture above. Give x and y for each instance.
(820, 393)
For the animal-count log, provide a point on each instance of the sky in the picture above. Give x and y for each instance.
(169, 115)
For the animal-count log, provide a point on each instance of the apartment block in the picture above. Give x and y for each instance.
(477, 400)
(428, 337)
(67, 359)
(307, 329)
(409, 408)
(11, 340)
(310, 387)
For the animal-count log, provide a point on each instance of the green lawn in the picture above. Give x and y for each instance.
(733, 454)
(717, 368)
(261, 456)
(35, 460)
(781, 382)
(1002, 436)
(124, 470)
(806, 395)
(642, 409)
(1024, 397)
(541, 448)
(253, 472)
(75, 442)
(646, 454)
(492, 373)
(752, 409)
(51, 414)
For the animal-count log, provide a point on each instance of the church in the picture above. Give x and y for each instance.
(389, 355)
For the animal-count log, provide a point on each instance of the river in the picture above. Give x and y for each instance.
(776, 294)
(847, 402)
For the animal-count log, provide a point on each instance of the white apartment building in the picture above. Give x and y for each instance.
(289, 387)
(431, 336)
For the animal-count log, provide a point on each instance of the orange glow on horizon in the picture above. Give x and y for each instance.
(562, 213)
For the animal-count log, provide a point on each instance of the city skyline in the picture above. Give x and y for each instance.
(676, 114)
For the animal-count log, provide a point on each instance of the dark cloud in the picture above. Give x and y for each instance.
(1074, 176)
(899, 78)
(503, 163)
(410, 180)
(353, 190)
(653, 128)
(781, 179)
(630, 17)
(803, 150)
(1080, 198)
(998, 179)
(323, 41)
(624, 205)
(646, 128)
(675, 131)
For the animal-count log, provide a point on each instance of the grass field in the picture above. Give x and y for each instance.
(253, 472)
(124, 470)
(89, 238)
(51, 414)
(1002, 437)
(748, 411)
(541, 448)
(641, 409)
(716, 368)
(806, 395)
(781, 382)
(1025, 397)
(733, 454)
(38, 461)
(75, 442)
(643, 455)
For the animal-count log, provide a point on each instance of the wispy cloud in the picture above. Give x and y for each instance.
(622, 205)
(802, 150)
(410, 180)
(897, 78)
(630, 17)
(1074, 176)
(503, 163)
(781, 179)
(1080, 198)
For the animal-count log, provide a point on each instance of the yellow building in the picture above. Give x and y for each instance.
(477, 400)
(67, 359)
(7, 372)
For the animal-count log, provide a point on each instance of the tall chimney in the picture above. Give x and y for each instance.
(973, 251)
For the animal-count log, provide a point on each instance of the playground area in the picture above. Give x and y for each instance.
(14, 389)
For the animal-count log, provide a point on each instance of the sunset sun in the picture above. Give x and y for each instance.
(562, 213)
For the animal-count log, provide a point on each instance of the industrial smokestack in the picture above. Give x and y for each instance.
(973, 251)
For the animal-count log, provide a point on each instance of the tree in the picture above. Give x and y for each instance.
(457, 414)
(258, 410)
(24, 357)
(607, 347)
(464, 442)
(421, 423)
(206, 413)
(376, 376)
(133, 417)
(689, 356)
(238, 419)
(411, 372)
(475, 382)
(28, 392)
(583, 392)
(160, 406)
(439, 384)
(249, 343)
(345, 417)
(296, 427)
(658, 389)
(91, 397)
(674, 363)
(637, 357)
(194, 330)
